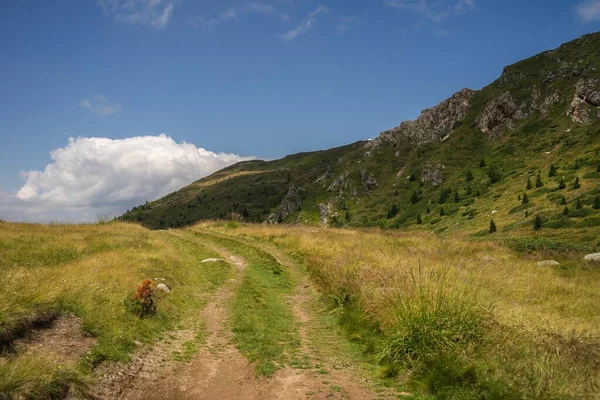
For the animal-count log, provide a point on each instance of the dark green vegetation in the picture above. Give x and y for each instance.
(446, 184)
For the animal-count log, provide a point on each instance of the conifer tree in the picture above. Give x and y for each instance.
(492, 226)
(525, 199)
(552, 171)
(537, 224)
(538, 181)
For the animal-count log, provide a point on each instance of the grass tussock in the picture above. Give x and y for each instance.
(456, 318)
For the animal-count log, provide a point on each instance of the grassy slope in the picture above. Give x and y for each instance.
(254, 189)
(90, 271)
(453, 317)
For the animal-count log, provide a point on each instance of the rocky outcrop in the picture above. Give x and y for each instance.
(587, 96)
(161, 287)
(290, 204)
(434, 173)
(324, 212)
(434, 124)
(548, 263)
(342, 184)
(326, 176)
(368, 180)
(500, 113)
(593, 257)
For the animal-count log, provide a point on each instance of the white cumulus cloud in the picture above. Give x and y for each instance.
(99, 105)
(100, 175)
(588, 11)
(155, 13)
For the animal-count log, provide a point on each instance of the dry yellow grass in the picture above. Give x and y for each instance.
(543, 324)
(90, 271)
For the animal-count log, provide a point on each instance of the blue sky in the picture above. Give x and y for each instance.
(258, 78)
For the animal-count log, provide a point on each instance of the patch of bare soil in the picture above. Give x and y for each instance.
(61, 337)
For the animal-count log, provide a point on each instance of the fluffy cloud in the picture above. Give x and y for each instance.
(588, 11)
(306, 25)
(431, 9)
(100, 175)
(99, 105)
(155, 13)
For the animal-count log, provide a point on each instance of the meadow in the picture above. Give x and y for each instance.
(437, 317)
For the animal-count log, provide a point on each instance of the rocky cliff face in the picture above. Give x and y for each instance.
(434, 124)
(585, 106)
(290, 204)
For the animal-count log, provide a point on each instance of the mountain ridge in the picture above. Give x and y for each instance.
(540, 111)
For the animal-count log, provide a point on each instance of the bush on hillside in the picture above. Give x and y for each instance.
(144, 301)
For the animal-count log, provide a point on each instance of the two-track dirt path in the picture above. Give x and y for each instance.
(219, 371)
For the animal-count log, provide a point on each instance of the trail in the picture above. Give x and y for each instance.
(219, 371)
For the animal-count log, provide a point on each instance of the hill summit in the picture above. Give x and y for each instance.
(524, 148)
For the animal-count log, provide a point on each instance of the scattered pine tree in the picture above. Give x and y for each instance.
(538, 181)
(456, 197)
(442, 212)
(576, 184)
(492, 226)
(563, 201)
(562, 184)
(525, 199)
(428, 210)
(412, 177)
(566, 211)
(597, 203)
(469, 176)
(494, 174)
(419, 220)
(529, 185)
(482, 163)
(414, 198)
(393, 211)
(347, 216)
(537, 224)
(552, 171)
(579, 206)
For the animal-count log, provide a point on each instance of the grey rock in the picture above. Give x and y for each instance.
(592, 257)
(326, 176)
(340, 184)
(548, 263)
(549, 102)
(434, 173)
(433, 124)
(587, 95)
(324, 211)
(579, 112)
(290, 204)
(499, 113)
(368, 180)
(208, 260)
(163, 288)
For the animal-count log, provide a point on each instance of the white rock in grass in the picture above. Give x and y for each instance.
(163, 288)
(592, 257)
(212, 260)
(548, 263)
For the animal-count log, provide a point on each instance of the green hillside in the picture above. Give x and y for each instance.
(459, 165)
